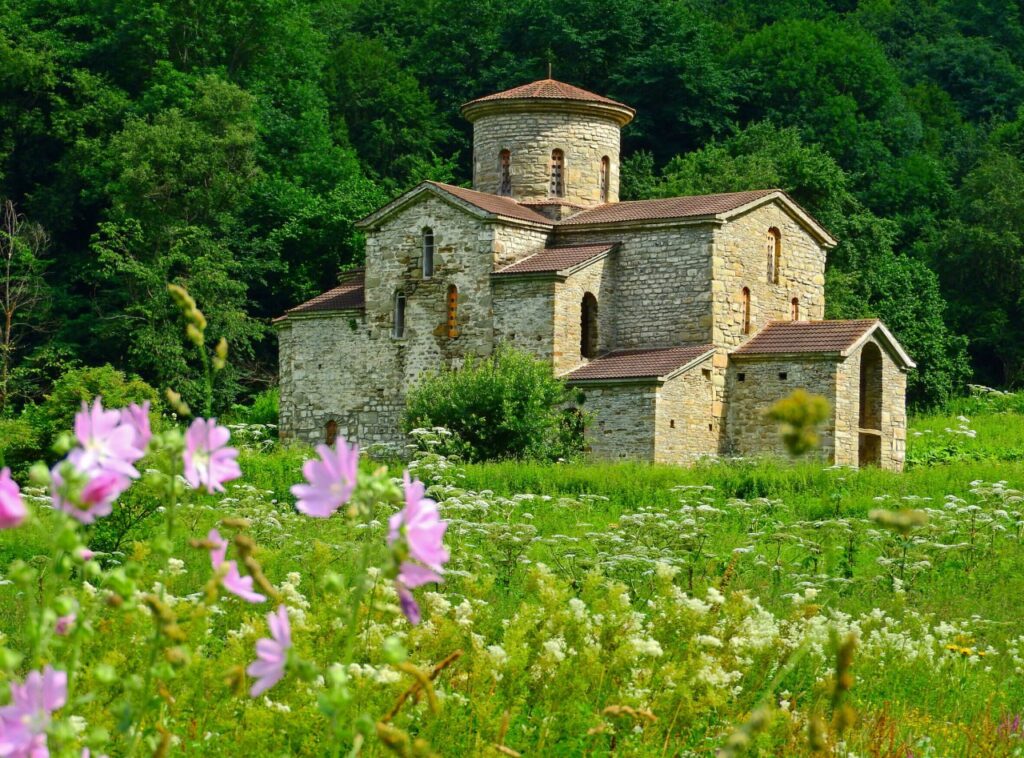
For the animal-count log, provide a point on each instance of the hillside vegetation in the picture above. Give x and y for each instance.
(229, 146)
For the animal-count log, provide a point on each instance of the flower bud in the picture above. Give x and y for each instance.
(181, 297)
(195, 336)
(394, 650)
(196, 317)
(39, 474)
(222, 349)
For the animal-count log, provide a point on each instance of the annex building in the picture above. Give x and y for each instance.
(681, 319)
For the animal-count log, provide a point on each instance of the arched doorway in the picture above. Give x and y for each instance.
(870, 418)
(588, 327)
(331, 432)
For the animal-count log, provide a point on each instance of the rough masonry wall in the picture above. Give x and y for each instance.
(597, 280)
(749, 432)
(621, 421)
(332, 369)
(531, 136)
(524, 314)
(662, 278)
(513, 242)
(893, 417)
(685, 428)
(741, 260)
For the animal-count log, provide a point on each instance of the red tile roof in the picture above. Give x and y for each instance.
(497, 204)
(547, 89)
(665, 208)
(639, 364)
(346, 296)
(806, 337)
(552, 259)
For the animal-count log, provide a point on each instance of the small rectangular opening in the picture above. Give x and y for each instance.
(783, 375)
(706, 372)
(741, 377)
(672, 424)
(711, 427)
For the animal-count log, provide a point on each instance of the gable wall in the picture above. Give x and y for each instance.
(662, 280)
(596, 279)
(524, 314)
(740, 260)
(685, 427)
(621, 424)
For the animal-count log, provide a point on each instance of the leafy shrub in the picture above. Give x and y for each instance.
(55, 415)
(508, 405)
(264, 409)
(17, 441)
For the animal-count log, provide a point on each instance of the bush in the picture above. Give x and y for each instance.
(17, 442)
(263, 411)
(506, 406)
(56, 414)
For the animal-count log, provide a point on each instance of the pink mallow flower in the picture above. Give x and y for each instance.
(232, 580)
(208, 461)
(331, 480)
(24, 722)
(422, 529)
(64, 624)
(137, 417)
(107, 444)
(12, 508)
(271, 654)
(89, 501)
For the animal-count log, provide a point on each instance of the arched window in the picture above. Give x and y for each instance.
(746, 310)
(869, 441)
(557, 188)
(505, 171)
(606, 166)
(453, 312)
(588, 327)
(428, 252)
(794, 309)
(774, 255)
(330, 432)
(398, 328)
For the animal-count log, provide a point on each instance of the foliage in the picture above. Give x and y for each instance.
(799, 415)
(505, 405)
(56, 413)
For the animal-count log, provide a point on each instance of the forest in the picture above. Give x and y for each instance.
(230, 145)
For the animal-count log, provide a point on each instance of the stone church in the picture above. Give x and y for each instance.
(680, 320)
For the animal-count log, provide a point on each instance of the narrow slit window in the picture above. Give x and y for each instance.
(605, 178)
(505, 172)
(588, 326)
(774, 255)
(794, 309)
(428, 252)
(453, 312)
(331, 432)
(746, 310)
(398, 328)
(557, 188)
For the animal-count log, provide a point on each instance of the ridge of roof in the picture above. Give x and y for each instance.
(648, 363)
(556, 259)
(548, 89)
(666, 207)
(499, 205)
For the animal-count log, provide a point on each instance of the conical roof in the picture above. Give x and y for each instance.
(549, 90)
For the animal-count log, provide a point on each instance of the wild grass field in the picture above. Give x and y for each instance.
(732, 608)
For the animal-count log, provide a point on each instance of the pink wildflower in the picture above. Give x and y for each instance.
(84, 554)
(24, 722)
(422, 529)
(64, 624)
(137, 417)
(331, 480)
(89, 501)
(271, 654)
(208, 461)
(232, 579)
(107, 444)
(12, 509)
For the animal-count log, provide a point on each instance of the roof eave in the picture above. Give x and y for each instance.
(895, 347)
(799, 214)
(649, 223)
(375, 219)
(617, 112)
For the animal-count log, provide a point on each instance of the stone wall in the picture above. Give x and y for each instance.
(662, 283)
(753, 385)
(513, 242)
(740, 260)
(531, 136)
(893, 426)
(685, 427)
(597, 279)
(622, 420)
(524, 310)
(333, 369)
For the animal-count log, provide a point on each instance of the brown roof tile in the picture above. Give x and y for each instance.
(806, 337)
(639, 364)
(552, 259)
(547, 89)
(497, 204)
(348, 295)
(665, 208)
